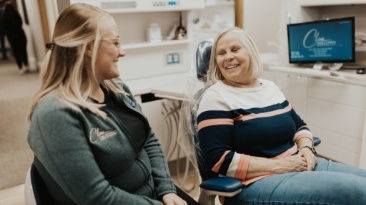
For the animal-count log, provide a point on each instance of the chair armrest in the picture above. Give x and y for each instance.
(316, 141)
(222, 186)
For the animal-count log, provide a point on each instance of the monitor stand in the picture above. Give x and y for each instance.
(332, 67)
(318, 66)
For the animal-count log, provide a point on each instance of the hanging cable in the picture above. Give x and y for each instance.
(170, 111)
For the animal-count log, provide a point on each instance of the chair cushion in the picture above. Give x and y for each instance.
(222, 184)
(203, 54)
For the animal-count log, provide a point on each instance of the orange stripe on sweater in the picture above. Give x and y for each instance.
(222, 121)
(242, 169)
(218, 164)
(264, 114)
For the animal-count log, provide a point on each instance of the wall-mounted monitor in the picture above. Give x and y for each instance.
(326, 41)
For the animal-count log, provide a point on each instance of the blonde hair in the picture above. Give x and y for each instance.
(255, 66)
(65, 71)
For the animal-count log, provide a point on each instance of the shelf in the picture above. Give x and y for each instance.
(219, 4)
(138, 6)
(361, 48)
(208, 30)
(121, 11)
(346, 76)
(154, 44)
(314, 3)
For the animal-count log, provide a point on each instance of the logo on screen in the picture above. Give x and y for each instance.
(312, 39)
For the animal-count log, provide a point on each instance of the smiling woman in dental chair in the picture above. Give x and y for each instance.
(248, 130)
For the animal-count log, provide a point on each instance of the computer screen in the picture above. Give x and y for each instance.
(330, 41)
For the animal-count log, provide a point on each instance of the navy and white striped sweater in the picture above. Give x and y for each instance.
(235, 123)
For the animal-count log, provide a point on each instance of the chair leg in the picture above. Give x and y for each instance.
(206, 198)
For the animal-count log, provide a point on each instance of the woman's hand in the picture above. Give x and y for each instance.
(304, 144)
(173, 199)
(311, 159)
(259, 166)
(295, 163)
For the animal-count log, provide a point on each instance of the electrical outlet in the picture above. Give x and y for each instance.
(173, 58)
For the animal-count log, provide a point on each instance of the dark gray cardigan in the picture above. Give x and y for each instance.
(85, 159)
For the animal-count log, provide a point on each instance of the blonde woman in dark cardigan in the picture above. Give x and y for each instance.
(92, 143)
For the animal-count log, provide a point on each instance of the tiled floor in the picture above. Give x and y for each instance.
(12, 196)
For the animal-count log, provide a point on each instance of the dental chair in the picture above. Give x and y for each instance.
(212, 185)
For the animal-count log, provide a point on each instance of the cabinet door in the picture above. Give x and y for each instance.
(163, 119)
(336, 113)
(294, 87)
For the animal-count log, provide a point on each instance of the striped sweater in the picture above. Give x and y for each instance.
(235, 123)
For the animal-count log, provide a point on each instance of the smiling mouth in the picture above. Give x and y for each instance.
(231, 66)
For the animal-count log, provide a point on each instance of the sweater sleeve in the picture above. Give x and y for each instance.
(302, 130)
(58, 139)
(215, 131)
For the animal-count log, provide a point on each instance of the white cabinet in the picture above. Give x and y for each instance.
(133, 6)
(308, 3)
(334, 108)
(147, 59)
(163, 120)
(143, 58)
(336, 113)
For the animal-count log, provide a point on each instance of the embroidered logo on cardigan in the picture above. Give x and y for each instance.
(96, 134)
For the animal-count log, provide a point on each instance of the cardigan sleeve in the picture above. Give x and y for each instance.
(160, 170)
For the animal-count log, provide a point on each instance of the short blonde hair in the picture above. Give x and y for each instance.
(66, 71)
(256, 67)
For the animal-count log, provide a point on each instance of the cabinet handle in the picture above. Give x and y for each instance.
(293, 76)
(337, 76)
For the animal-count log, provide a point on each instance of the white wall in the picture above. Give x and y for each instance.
(266, 21)
(52, 14)
(262, 19)
(35, 47)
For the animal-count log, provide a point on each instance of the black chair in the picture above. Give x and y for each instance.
(211, 185)
(35, 191)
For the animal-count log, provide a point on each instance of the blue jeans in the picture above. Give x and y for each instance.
(329, 183)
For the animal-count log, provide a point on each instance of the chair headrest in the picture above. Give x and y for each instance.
(203, 54)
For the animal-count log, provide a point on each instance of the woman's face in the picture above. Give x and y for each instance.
(109, 52)
(233, 60)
